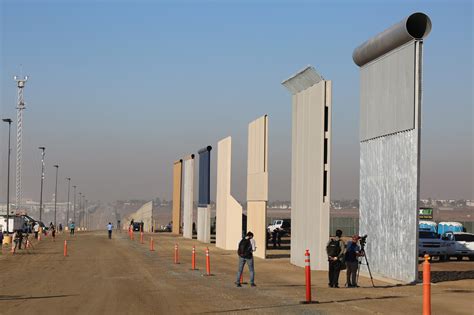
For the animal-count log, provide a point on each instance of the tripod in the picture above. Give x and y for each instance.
(368, 268)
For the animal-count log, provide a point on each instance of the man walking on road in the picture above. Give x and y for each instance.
(109, 229)
(245, 251)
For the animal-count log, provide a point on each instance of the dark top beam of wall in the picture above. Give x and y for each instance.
(415, 26)
(204, 176)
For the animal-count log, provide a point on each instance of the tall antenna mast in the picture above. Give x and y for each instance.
(19, 126)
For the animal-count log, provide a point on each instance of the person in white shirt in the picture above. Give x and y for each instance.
(109, 229)
(36, 229)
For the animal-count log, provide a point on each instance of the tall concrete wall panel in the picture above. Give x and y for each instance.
(188, 195)
(310, 165)
(204, 224)
(391, 95)
(143, 214)
(204, 210)
(176, 215)
(228, 210)
(388, 204)
(257, 182)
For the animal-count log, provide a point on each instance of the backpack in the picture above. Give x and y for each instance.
(245, 248)
(334, 248)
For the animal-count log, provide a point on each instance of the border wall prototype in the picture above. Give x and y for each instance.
(204, 208)
(257, 183)
(310, 166)
(228, 210)
(390, 114)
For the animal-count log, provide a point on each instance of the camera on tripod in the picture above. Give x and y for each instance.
(362, 241)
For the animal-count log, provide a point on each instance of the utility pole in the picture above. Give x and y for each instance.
(56, 194)
(42, 180)
(9, 121)
(68, 190)
(19, 137)
(74, 206)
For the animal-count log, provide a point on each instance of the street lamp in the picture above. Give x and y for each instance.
(68, 190)
(80, 208)
(56, 193)
(42, 180)
(9, 121)
(74, 206)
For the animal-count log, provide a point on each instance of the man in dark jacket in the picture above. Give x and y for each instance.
(352, 263)
(245, 251)
(335, 250)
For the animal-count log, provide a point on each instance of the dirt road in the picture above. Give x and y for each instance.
(120, 276)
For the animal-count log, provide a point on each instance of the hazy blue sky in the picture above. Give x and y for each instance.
(120, 89)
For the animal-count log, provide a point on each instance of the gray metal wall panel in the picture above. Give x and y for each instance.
(387, 93)
(388, 204)
(204, 176)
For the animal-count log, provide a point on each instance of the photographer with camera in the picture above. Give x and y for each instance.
(353, 252)
(335, 249)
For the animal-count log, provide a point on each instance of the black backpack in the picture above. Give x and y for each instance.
(245, 248)
(334, 248)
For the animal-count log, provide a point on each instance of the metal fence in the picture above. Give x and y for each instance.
(349, 226)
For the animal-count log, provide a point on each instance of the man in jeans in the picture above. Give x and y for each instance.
(245, 251)
(335, 250)
(352, 252)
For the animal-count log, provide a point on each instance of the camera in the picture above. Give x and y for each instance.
(363, 241)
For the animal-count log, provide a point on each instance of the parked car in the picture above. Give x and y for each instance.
(137, 226)
(430, 243)
(283, 224)
(459, 244)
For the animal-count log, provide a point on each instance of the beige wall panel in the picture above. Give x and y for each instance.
(257, 182)
(177, 169)
(310, 210)
(143, 214)
(257, 160)
(256, 223)
(228, 210)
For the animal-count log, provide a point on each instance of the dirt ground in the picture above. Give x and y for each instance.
(120, 276)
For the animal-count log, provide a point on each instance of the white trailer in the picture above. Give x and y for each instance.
(15, 223)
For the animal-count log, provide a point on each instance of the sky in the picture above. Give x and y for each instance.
(118, 90)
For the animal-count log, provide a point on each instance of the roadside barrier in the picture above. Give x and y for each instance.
(13, 248)
(141, 237)
(208, 262)
(65, 248)
(426, 286)
(242, 277)
(132, 236)
(193, 259)
(307, 267)
(176, 254)
(39, 237)
(152, 245)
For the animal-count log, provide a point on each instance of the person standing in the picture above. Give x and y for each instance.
(246, 248)
(352, 263)
(72, 226)
(335, 250)
(109, 229)
(53, 232)
(36, 229)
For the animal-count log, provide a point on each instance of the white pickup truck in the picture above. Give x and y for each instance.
(430, 243)
(459, 244)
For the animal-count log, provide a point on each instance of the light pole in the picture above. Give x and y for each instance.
(56, 193)
(74, 206)
(9, 121)
(42, 180)
(80, 208)
(68, 190)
